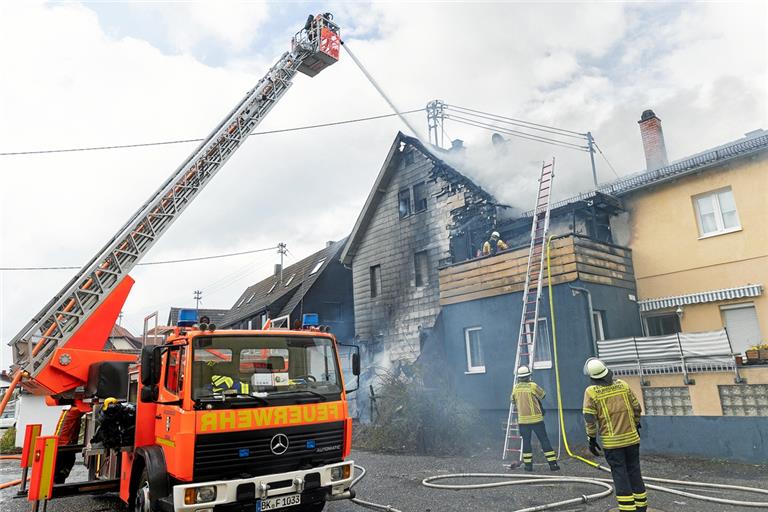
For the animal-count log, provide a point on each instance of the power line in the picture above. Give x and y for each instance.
(512, 120)
(606, 159)
(515, 133)
(522, 124)
(164, 262)
(184, 141)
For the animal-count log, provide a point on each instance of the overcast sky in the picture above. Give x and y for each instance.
(89, 74)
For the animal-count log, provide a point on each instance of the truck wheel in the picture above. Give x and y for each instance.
(142, 503)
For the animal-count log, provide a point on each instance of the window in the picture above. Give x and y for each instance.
(404, 203)
(174, 370)
(542, 357)
(421, 264)
(716, 212)
(250, 298)
(273, 287)
(331, 312)
(659, 325)
(420, 197)
(744, 400)
(290, 279)
(375, 275)
(597, 320)
(742, 326)
(317, 266)
(475, 357)
(240, 302)
(672, 401)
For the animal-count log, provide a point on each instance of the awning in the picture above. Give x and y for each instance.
(740, 292)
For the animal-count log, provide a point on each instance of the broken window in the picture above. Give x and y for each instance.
(420, 197)
(375, 274)
(716, 212)
(404, 203)
(660, 325)
(421, 264)
(475, 357)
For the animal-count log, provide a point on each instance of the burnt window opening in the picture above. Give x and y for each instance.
(375, 277)
(420, 197)
(404, 203)
(421, 264)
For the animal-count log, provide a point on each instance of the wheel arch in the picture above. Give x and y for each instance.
(152, 459)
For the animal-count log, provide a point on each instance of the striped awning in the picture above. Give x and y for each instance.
(740, 292)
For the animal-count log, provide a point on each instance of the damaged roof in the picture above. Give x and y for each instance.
(297, 281)
(440, 169)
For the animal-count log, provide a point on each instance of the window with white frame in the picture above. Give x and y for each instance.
(597, 319)
(475, 356)
(716, 212)
(542, 357)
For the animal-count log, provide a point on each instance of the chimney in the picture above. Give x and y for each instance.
(330, 243)
(653, 141)
(278, 269)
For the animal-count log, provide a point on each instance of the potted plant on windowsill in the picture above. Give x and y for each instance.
(763, 352)
(753, 354)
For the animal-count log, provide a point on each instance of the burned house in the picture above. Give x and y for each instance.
(404, 232)
(317, 284)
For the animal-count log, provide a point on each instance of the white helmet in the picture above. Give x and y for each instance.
(523, 371)
(595, 368)
(495, 234)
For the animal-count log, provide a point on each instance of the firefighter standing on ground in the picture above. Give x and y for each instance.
(613, 411)
(494, 244)
(527, 396)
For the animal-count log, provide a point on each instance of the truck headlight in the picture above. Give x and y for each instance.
(204, 494)
(341, 472)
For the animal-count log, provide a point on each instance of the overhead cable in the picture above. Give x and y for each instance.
(184, 141)
(148, 263)
(605, 158)
(515, 133)
(512, 120)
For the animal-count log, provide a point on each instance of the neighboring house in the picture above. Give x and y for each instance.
(216, 315)
(318, 284)
(399, 239)
(121, 340)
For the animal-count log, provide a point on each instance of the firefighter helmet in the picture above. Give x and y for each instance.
(109, 401)
(495, 234)
(595, 368)
(523, 371)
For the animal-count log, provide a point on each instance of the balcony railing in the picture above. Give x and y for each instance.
(681, 353)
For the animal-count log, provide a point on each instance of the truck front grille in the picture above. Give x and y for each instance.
(247, 454)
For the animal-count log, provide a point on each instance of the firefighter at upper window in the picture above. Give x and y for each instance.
(613, 411)
(527, 396)
(494, 244)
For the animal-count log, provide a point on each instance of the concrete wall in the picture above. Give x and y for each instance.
(669, 256)
(389, 325)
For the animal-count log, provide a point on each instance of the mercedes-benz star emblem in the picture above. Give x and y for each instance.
(279, 444)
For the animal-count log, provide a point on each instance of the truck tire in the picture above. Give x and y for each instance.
(141, 502)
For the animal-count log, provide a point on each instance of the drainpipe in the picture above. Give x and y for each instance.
(579, 289)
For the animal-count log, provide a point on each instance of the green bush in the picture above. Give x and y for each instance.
(8, 442)
(408, 418)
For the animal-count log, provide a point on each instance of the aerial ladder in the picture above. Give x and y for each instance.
(529, 318)
(53, 352)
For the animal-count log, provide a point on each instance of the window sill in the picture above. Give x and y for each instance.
(475, 371)
(718, 233)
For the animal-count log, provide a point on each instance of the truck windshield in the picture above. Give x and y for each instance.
(265, 367)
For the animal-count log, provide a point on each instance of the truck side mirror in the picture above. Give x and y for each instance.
(150, 366)
(150, 393)
(356, 364)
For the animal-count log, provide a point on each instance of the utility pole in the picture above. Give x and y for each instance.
(591, 146)
(198, 298)
(435, 121)
(120, 319)
(282, 249)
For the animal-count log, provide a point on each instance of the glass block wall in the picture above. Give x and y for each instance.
(744, 400)
(670, 401)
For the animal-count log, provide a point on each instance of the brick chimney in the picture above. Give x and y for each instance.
(653, 141)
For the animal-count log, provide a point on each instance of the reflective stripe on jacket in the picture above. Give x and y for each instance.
(223, 383)
(528, 397)
(613, 411)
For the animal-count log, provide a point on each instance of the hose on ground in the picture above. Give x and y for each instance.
(669, 490)
(523, 480)
(364, 503)
(5, 485)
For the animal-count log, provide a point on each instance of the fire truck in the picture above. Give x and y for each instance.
(211, 419)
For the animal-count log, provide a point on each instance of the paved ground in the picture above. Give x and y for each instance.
(396, 480)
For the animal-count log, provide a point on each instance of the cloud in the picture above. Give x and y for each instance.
(74, 82)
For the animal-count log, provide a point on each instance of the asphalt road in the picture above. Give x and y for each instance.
(396, 480)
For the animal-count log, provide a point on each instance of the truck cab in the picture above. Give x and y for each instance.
(240, 420)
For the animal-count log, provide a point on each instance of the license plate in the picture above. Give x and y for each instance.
(278, 502)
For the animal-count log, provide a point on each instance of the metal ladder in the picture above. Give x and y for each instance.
(529, 319)
(57, 322)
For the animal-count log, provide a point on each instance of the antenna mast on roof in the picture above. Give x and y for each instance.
(435, 122)
(282, 249)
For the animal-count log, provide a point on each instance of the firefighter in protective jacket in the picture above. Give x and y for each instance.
(527, 396)
(494, 244)
(613, 411)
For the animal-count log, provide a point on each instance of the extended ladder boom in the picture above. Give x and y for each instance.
(313, 48)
